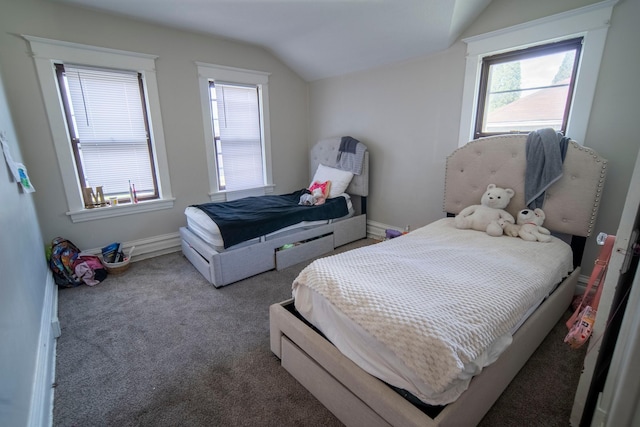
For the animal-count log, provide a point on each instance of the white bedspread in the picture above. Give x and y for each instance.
(439, 298)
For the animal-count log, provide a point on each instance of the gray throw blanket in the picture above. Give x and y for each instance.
(545, 153)
(351, 155)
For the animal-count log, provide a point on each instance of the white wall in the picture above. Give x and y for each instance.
(179, 101)
(409, 116)
(23, 277)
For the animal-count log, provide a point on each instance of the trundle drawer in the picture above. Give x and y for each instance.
(330, 392)
(303, 251)
(198, 261)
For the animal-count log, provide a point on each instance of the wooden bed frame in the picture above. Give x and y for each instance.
(357, 398)
(221, 268)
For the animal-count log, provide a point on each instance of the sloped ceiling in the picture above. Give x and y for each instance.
(315, 38)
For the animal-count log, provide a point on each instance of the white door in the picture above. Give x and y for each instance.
(617, 404)
(611, 404)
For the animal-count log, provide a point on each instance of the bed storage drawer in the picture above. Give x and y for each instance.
(303, 251)
(223, 268)
(196, 259)
(243, 262)
(320, 362)
(200, 263)
(197, 252)
(340, 401)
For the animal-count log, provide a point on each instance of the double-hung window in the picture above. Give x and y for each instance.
(108, 129)
(535, 75)
(104, 113)
(236, 124)
(235, 113)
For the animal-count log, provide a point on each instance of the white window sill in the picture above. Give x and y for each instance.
(120, 210)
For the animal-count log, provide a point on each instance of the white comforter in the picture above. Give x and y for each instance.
(439, 298)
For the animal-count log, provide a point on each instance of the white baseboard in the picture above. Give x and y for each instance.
(41, 410)
(149, 247)
(377, 230)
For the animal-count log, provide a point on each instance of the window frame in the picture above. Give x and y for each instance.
(46, 53)
(219, 142)
(522, 54)
(76, 142)
(589, 22)
(211, 72)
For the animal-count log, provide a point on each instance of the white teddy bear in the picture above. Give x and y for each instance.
(489, 215)
(530, 226)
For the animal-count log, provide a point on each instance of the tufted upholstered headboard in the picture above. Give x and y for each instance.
(571, 203)
(325, 151)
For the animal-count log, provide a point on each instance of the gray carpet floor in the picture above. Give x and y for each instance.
(159, 346)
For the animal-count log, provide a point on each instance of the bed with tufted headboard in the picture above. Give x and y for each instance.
(223, 261)
(429, 352)
(570, 205)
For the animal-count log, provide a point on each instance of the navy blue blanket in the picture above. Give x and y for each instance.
(251, 217)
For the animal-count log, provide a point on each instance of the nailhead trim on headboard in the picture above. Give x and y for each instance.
(571, 204)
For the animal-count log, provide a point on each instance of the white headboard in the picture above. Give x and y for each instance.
(325, 151)
(571, 203)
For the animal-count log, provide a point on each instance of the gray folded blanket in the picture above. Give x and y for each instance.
(545, 153)
(351, 155)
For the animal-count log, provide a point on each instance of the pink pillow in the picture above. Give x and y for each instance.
(323, 186)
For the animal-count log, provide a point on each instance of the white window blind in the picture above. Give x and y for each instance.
(240, 160)
(109, 121)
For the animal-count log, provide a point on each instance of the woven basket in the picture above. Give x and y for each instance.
(117, 267)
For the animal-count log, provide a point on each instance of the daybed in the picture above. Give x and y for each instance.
(282, 248)
(345, 386)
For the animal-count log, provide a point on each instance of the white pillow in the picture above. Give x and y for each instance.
(340, 179)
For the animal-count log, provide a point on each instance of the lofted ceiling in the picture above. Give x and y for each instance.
(315, 38)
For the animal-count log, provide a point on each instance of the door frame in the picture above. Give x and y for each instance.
(622, 250)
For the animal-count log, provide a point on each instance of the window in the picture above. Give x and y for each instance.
(104, 113)
(236, 124)
(500, 50)
(527, 89)
(107, 121)
(235, 112)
